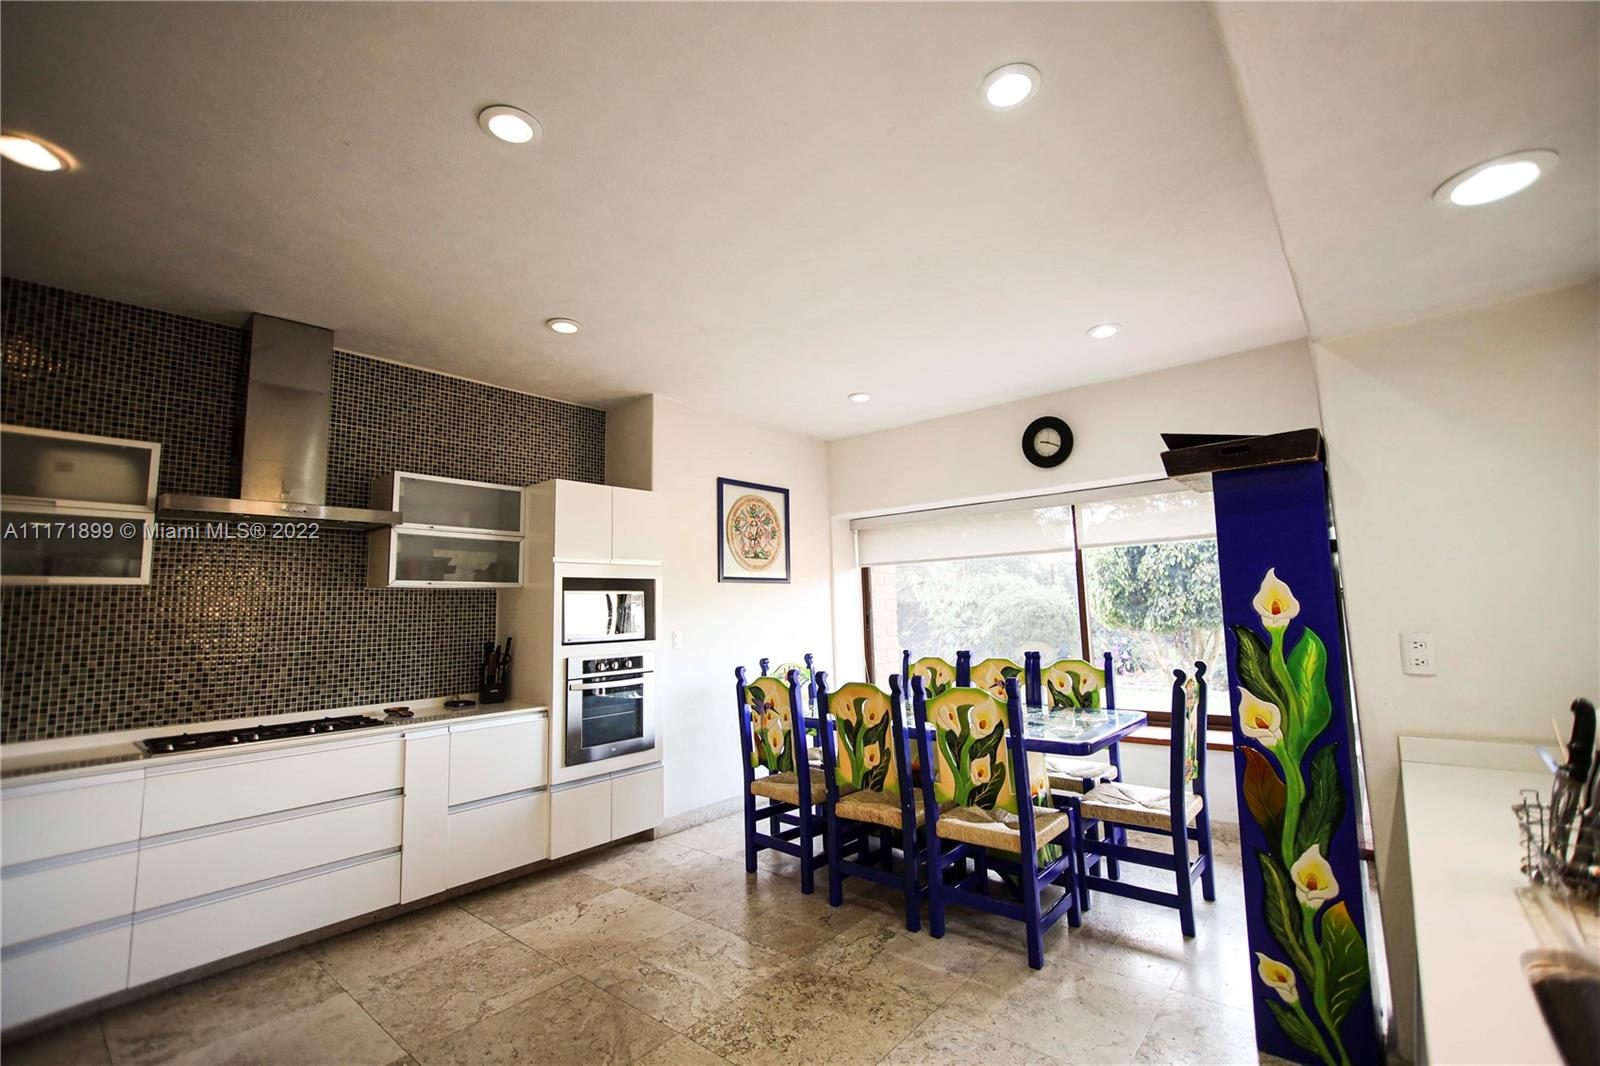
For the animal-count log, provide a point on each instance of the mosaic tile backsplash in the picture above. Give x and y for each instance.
(237, 628)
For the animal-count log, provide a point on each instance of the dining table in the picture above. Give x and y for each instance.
(1070, 730)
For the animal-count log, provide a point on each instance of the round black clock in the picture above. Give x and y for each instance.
(1047, 441)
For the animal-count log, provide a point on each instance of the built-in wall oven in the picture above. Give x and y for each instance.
(610, 707)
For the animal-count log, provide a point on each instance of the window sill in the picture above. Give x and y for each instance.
(1161, 736)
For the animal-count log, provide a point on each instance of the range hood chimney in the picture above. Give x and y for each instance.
(286, 430)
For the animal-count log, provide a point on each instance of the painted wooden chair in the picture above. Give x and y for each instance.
(974, 815)
(866, 765)
(1178, 812)
(1077, 683)
(808, 674)
(772, 737)
(937, 674)
(991, 675)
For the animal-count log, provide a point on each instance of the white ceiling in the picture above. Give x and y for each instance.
(765, 207)
(760, 207)
(1362, 110)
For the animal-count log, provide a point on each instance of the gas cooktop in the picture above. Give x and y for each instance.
(225, 738)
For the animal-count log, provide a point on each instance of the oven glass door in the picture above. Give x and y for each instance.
(608, 718)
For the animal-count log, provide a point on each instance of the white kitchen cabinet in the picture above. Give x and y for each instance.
(635, 527)
(402, 557)
(56, 898)
(446, 503)
(580, 816)
(54, 975)
(637, 800)
(51, 818)
(425, 837)
(76, 508)
(498, 756)
(170, 940)
(498, 834)
(191, 866)
(242, 786)
(582, 517)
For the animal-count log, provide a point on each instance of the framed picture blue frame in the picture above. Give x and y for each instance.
(752, 532)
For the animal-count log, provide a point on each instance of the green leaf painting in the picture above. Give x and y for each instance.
(1285, 710)
(863, 748)
(771, 736)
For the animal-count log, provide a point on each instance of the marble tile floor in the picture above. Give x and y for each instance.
(665, 953)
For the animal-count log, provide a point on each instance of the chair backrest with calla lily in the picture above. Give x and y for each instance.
(991, 676)
(937, 675)
(1194, 728)
(1077, 683)
(866, 747)
(766, 722)
(806, 670)
(972, 758)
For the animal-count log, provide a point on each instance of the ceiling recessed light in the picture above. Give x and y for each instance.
(563, 325)
(860, 397)
(510, 124)
(1496, 179)
(1009, 86)
(32, 153)
(1104, 330)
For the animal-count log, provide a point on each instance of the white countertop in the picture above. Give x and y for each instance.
(1477, 1006)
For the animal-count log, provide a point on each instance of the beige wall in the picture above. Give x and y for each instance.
(709, 627)
(1116, 425)
(1466, 479)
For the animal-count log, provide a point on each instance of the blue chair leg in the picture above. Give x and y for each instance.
(935, 888)
(1180, 853)
(908, 841)
(1112, 835)
(1208, 881)
(1032, 911)
(808, 855)
(749, 832)
(835, 877)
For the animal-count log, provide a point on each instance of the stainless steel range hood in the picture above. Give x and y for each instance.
(286, 429)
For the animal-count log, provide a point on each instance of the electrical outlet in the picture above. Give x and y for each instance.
(676, 640)
(1416, 654)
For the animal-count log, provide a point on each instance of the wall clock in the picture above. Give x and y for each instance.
(1047, 441)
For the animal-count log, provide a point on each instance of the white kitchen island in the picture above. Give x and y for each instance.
(1475, 1004)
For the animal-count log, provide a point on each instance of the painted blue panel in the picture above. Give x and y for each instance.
(1298, 807)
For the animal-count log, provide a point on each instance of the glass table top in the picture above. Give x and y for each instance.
(1082, 730)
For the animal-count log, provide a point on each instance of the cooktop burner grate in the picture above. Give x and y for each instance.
(224, 738)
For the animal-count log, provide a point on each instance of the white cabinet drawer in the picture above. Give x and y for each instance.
(636, 802)
(191, 936)
(46, 820)
(58, 898)
(499, 836)
(66, 973)
(492, 759)
(580, 817)
(187, 799)
(199, 865)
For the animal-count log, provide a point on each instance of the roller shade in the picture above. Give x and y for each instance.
(1146, 519)
(964, 533)
(1129, 514)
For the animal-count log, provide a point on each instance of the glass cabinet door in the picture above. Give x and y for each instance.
(444, 558)
(448, 504)
(42, 465)
(57, 548)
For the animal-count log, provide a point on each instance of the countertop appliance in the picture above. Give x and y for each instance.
(224, 738)
(610, 707)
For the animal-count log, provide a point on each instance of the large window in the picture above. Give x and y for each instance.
(1144, 561)
(1003, 606)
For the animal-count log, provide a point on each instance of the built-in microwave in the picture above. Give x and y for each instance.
(597, 610)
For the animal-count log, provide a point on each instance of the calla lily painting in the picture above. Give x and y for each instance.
(1295, 795)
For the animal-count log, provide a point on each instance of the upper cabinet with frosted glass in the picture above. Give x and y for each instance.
(453, 534)
(77, 508)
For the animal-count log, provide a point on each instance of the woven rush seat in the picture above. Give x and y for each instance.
(785, 787)
(1136, 805)
(1077, 775)
(879, 808)
(998, 828)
